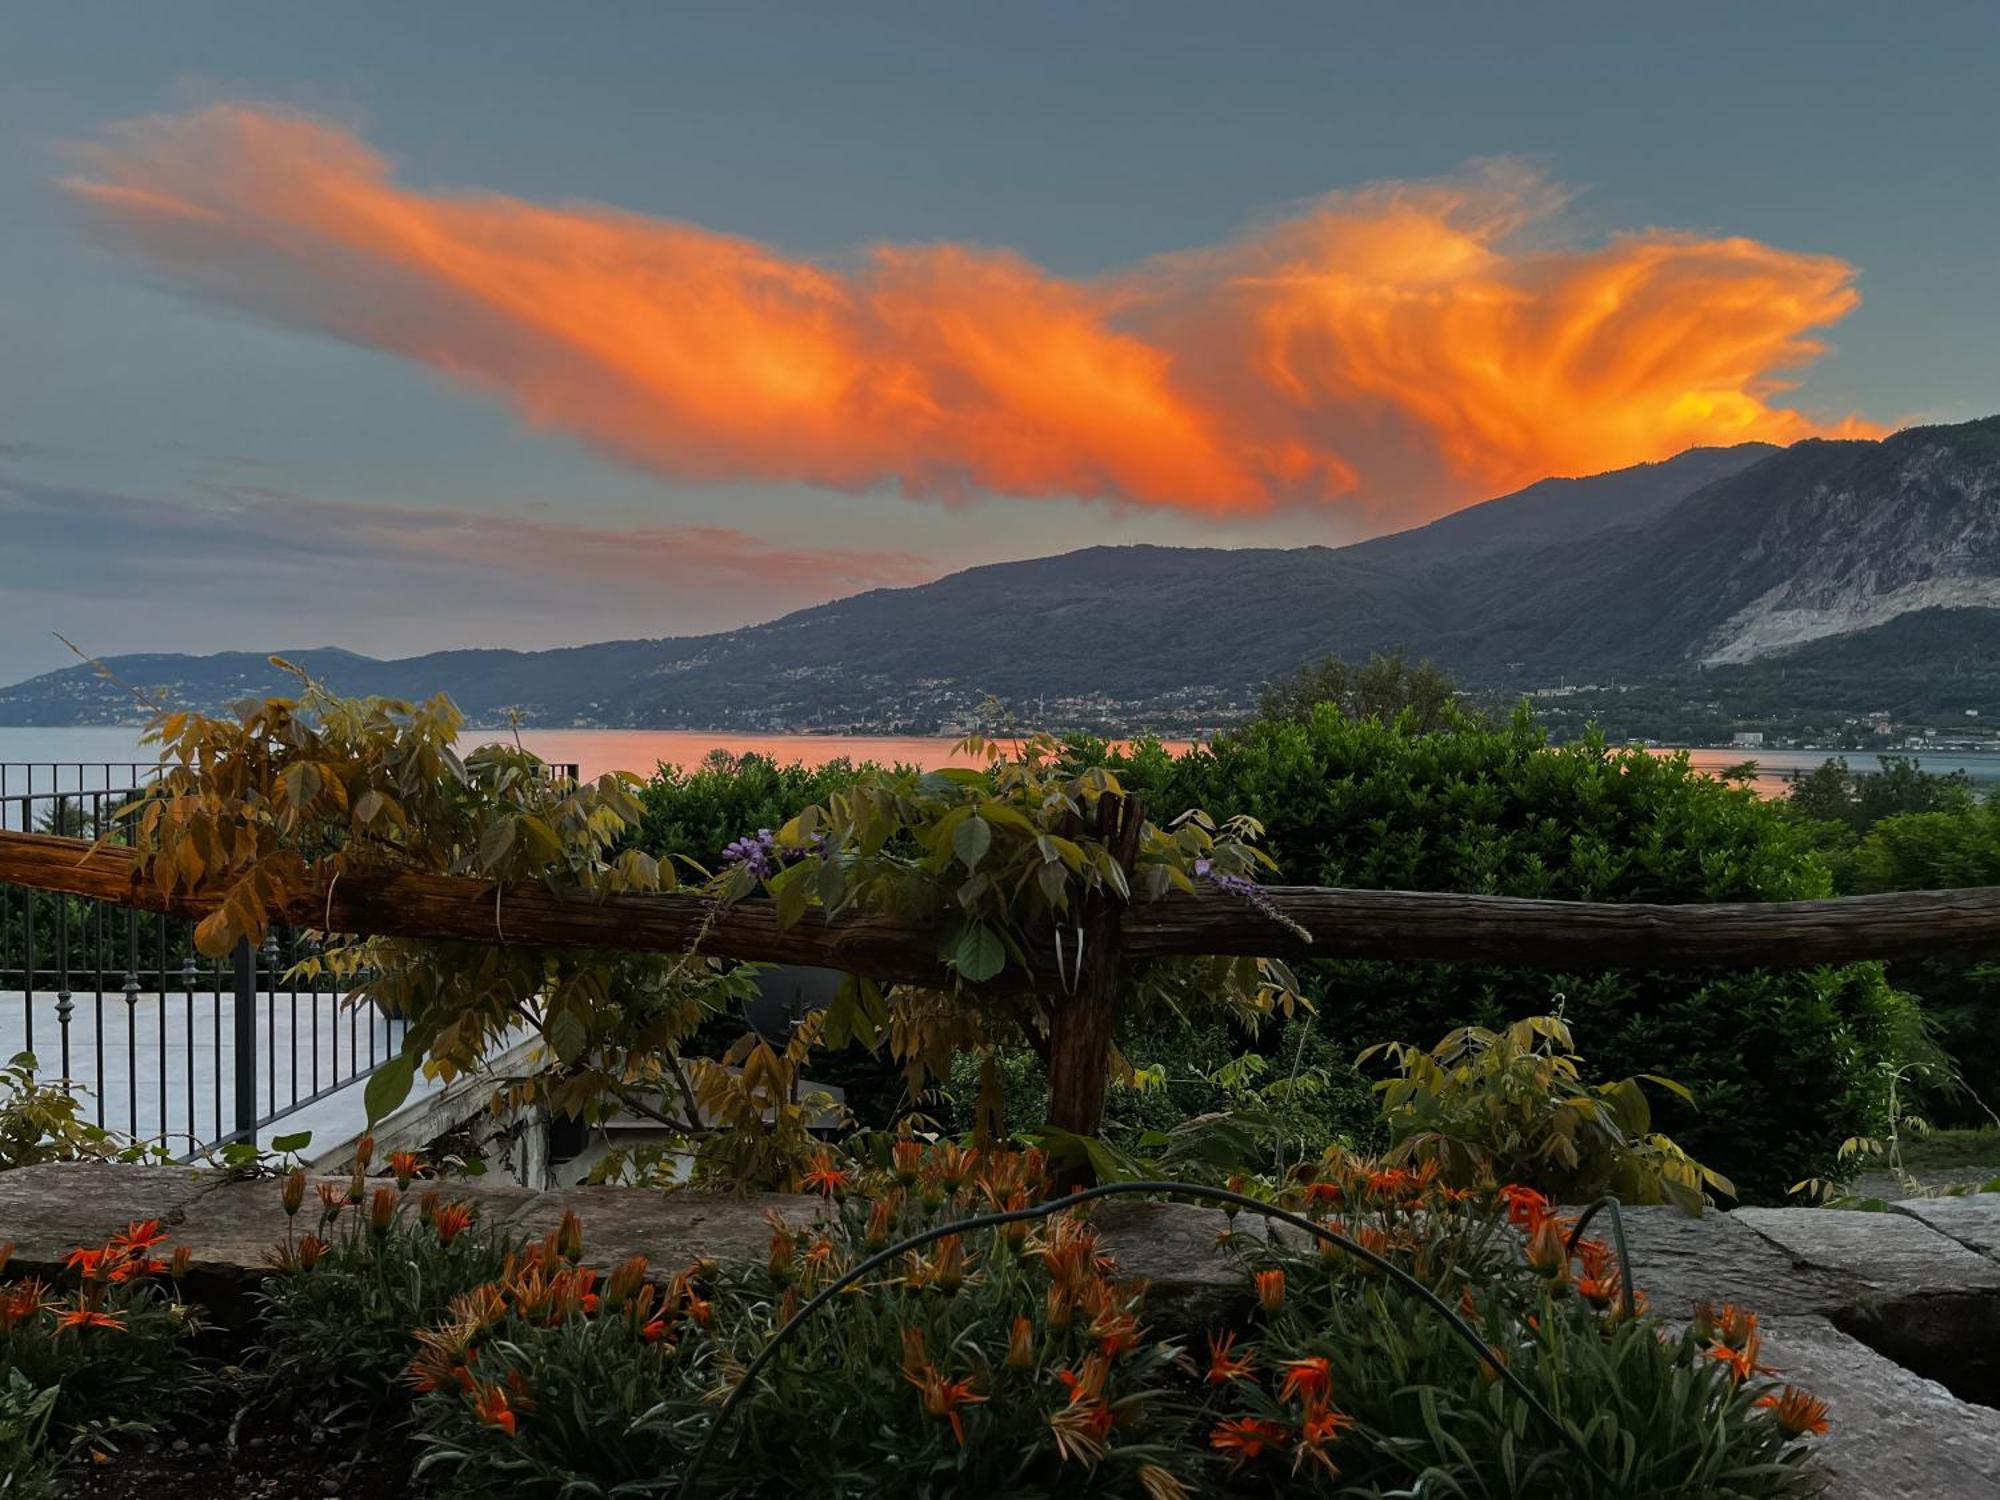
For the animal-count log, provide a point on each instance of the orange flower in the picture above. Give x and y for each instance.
(1246, 1438)
(1320, 1429)
(382, 1210)
(1224, 1364)
(404, 1166)
(140, 1234)
(293, 1194)
(489, 1404)
(907, 1157)
(332, 1199)
(956, 1164)
(654, 1331)
(824, 1178)
(451, 1221)
(86, 1317)
(1086, 1419)
(1741, 1363)
(1798, 1412)
(1116, 1330)
(311, 1248)
(1526, 1208)
(942, 1398)
(1309, 1379)
(1271, 1290)
(90, 1264)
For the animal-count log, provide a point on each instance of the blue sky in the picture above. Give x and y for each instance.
(181, 471)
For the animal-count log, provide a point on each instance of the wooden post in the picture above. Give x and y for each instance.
(1080, 1024)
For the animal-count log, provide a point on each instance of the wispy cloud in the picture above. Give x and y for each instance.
(1404, 345)
(255, 567)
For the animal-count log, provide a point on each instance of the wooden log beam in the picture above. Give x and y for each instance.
(1410, 926)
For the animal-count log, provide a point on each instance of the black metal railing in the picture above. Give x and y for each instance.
(159, 1041)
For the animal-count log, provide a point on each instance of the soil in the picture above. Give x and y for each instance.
(267, 1462)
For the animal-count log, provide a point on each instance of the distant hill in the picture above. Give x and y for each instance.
(1719, 557)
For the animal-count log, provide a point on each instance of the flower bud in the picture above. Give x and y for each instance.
(382, 1210)
(294, 1192)
(311, 1248)
(1021, 1345)
(569, 1237)
(1271, 1290)
(364, 1153)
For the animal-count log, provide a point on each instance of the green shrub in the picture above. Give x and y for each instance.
(1960, 994)
(1513, 1106)
(697, 814)
(1783, 1066)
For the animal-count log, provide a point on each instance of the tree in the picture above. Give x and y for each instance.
(1419, 697)
(1832, 793)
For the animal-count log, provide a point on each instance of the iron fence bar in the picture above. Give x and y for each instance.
(244, 1124)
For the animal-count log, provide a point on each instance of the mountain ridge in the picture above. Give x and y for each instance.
(1716, 557)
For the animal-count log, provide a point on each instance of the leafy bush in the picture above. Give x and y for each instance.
(1783, 1066)
(1512, 1106)
(42, 1122)
(107, 1360)
(1960, 994)
(697, 814)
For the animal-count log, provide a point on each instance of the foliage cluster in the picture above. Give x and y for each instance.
(1783, 1065)
(1513, 1106)
(1901, 828)
(44, 1122)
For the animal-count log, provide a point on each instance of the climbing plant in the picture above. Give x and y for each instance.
(1017, 863)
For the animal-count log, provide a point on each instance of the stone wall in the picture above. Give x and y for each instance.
(1869, 1311)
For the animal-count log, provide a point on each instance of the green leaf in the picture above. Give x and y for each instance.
(388, 1087)
(285, 1144)
(979, 954)
(971, 839)
(496, 841)
(567, 1034)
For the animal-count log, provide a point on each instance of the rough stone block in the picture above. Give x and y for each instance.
(1678, 1261)
(1892, 1432)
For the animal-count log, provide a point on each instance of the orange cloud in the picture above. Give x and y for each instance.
(1396, 345)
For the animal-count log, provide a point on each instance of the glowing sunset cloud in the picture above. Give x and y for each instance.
(1408, 346)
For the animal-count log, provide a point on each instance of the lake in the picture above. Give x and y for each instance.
(599, 750)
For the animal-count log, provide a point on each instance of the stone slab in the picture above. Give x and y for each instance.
(1892, 1433)
(1973, 1221)
(1679, 1261)
(1891, 1257)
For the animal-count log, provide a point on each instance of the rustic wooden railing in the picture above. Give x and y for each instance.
(1425, 926)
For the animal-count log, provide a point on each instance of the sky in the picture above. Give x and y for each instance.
(405, 327)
